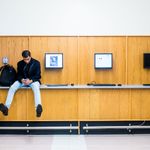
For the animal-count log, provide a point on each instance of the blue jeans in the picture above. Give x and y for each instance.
(17, 85)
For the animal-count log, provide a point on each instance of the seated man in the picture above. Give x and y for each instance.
(28, 74)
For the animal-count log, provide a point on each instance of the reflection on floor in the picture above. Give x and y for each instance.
(75, 142)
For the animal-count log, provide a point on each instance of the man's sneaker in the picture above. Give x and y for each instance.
(39, 110)
(3, 109)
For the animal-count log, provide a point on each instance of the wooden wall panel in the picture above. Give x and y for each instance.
(104, 104)
(66, 45)
(145, 113)
(90, 45)
(57, 105)
(84, 104)
(18, 109)
(124, 96)
(12, 48)
(3, 94)
(140, 104)
(136, 74)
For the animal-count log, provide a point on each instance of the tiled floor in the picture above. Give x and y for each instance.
(75, 142)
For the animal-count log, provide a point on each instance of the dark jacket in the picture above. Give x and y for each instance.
(34, 70)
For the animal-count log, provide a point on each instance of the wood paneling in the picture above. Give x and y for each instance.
(66, 45)
(3, 94)
(136, 47)
(18, 110)
(57, 105)
(104, 104)
(12, 48)
(140, 104)
(90, 45)
(82, 104)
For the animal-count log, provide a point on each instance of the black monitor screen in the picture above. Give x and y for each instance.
(147, 60)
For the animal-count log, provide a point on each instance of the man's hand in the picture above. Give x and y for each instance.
(26, 81)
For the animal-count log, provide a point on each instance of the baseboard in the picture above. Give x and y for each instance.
(74, 127)
(42, 127)
(115, 127)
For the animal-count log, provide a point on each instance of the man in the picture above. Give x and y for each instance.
(28, 74)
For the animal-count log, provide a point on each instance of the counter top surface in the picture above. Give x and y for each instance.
(65, 86)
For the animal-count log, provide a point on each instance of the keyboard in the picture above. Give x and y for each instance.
(146, 84)
(49, 85)
(104, 84)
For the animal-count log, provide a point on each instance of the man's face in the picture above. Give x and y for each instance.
(27, 59)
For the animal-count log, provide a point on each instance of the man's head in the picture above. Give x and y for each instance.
(26, 56)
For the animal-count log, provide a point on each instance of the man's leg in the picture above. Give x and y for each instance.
(37, 97)
(10, 95)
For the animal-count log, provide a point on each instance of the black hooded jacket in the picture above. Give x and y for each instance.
(31, 71)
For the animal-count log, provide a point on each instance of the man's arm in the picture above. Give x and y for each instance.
(37, 72)
(19, 72)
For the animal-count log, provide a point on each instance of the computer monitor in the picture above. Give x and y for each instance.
(103, 61)
(53, 60)
(146, 62)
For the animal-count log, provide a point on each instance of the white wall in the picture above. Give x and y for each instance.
(75, 17)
